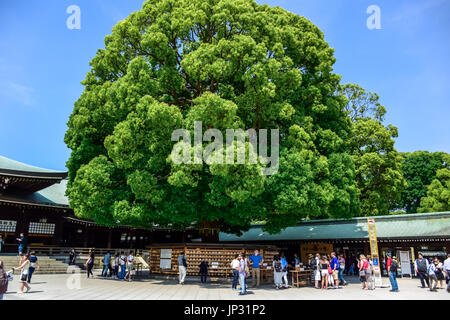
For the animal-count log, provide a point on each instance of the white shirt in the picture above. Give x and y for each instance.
(235, 264)
(122, 260)
(130, 260)
(447, 264)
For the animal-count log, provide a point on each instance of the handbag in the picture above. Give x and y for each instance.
(24, 276)
(330, 271)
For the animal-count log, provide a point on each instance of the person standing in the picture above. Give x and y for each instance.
(421, 267)
(324, 264)
(295, 262)
(243, 274)
(392, 271)
(106, 264)
(285, 266)
(2, 242)
(334, 264)
(341, 261)
(363, 265)
(371, 278)
(122, 261)
(22, 244)
(257, 261)
(72, 257)
(24, 267)
(432, 276)
(116, 266)
(277, 272)
(235, 268)
(447, 271)
(203, 271)
(33, 264)
(130, 266)
(3, 280)
(90, 263)
(182, 266)
(315, 266)
(439, 272)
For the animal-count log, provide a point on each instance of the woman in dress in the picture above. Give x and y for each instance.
(439, 272)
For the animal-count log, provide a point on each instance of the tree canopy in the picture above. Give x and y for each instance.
(378, 164)
(229, 64)
(419, 169)
(437, 198)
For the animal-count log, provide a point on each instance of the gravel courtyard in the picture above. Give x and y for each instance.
(77, 287)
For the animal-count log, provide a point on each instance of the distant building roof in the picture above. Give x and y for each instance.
(8, 164)
(391, 226)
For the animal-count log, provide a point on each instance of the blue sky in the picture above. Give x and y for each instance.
(42, 63)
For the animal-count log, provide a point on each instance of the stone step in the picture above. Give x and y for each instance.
(48, 265)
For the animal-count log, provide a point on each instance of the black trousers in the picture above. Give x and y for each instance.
(89, 270)
(423, 276)
(203, 278)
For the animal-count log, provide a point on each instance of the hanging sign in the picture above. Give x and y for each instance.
(405, 263)
(374, 251)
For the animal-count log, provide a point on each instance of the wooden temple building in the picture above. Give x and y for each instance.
(33, 202)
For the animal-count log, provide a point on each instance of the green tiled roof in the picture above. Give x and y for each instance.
(392, 226)
(55, 194)
(9, 164)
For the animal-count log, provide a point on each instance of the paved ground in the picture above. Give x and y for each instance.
(77, 287)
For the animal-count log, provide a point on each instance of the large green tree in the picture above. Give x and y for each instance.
(419, 169)
(229, 64)
(378, 164)
(438, 193)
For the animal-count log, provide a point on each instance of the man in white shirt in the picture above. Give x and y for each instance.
(130, 262)
(447, 271)
(235, 267)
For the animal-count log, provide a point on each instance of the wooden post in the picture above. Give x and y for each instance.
(109, 238)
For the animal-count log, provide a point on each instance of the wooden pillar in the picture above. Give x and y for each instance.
(109, 238)
(86, 236)
(57, 238)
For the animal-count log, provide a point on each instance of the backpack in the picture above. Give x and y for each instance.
(313, 264)
(277, 266)
(394, 266)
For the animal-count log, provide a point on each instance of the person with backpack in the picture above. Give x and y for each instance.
(392, 271)
(432, 276)
(421, 267)
(363, 266)
(277, 272)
